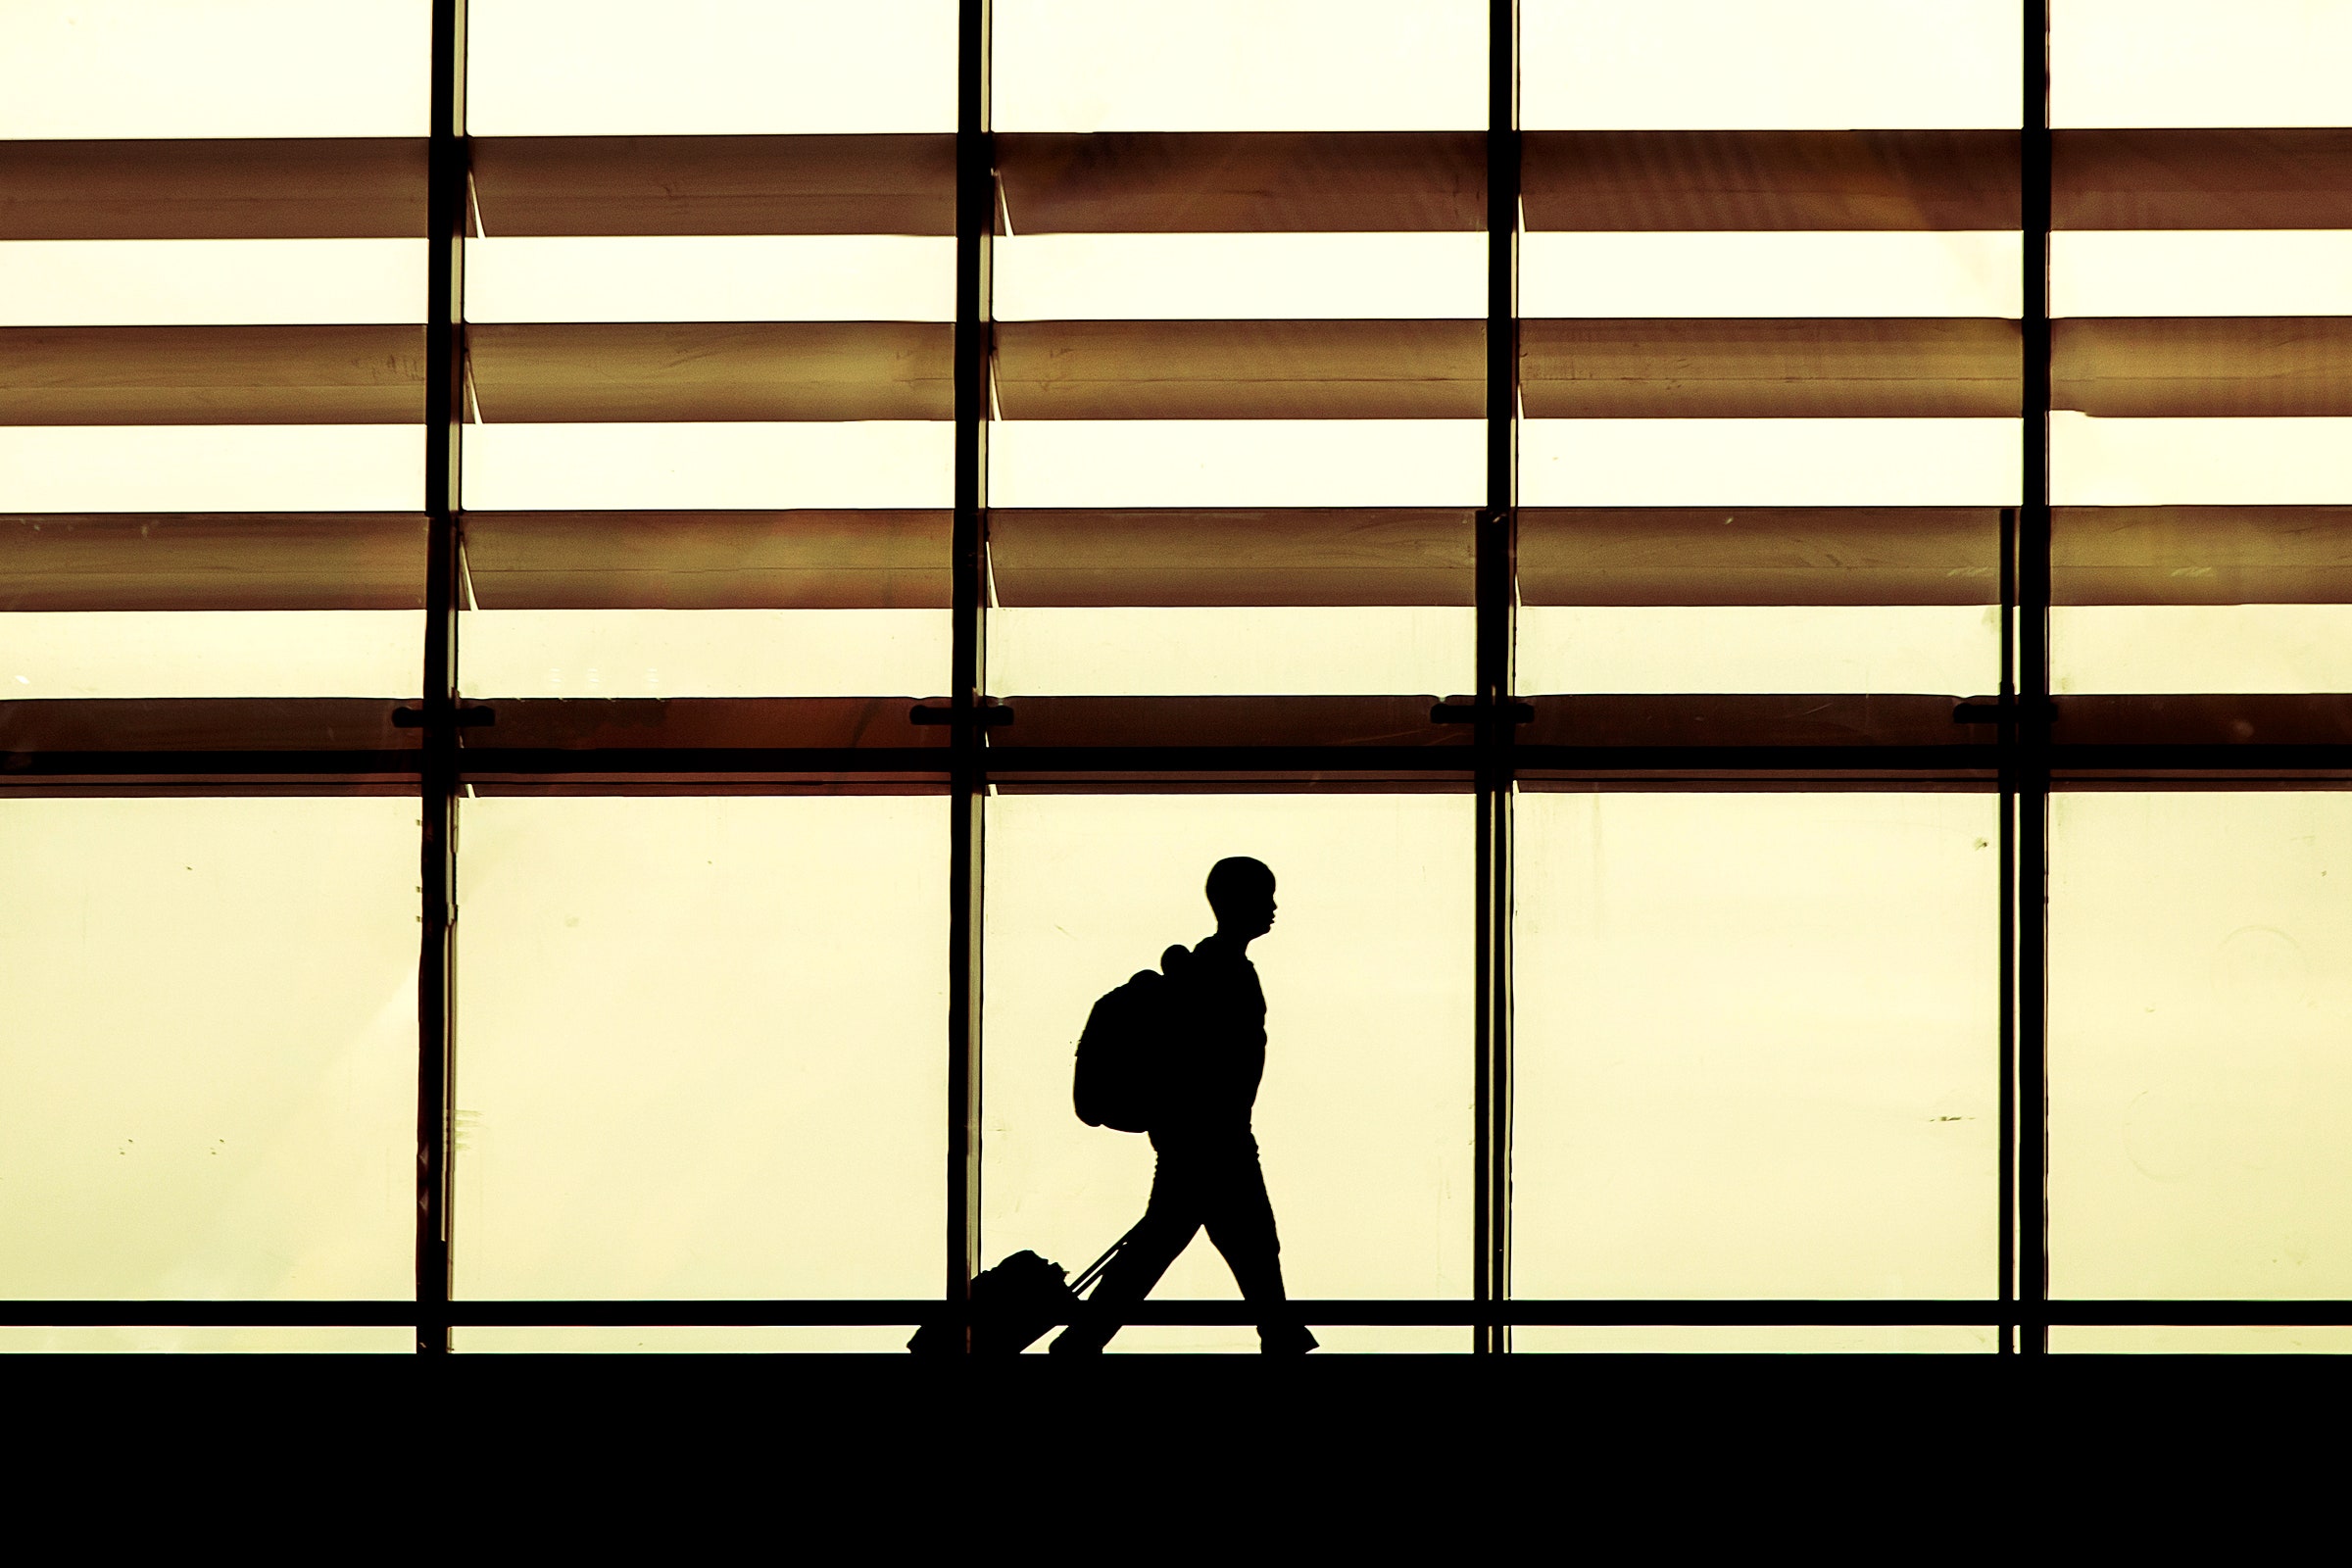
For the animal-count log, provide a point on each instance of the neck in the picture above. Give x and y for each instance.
(1239, 940)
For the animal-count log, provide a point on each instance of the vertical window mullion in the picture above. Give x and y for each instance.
(2006, 736)
(444, 413)
(2030, 763)
(975, 222)
(1496, 591)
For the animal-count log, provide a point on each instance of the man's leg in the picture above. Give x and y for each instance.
(1170, 1221)
(1240, 1222)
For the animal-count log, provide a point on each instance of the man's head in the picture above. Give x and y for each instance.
(1241, 892)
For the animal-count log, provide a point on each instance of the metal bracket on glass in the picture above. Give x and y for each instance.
(987, 715)
(465, 717)
(2005, 710)
(1469, 711)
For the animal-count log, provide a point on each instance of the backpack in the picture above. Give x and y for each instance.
(1125, 1042)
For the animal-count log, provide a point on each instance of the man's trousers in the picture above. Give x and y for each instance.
(1215, 1185)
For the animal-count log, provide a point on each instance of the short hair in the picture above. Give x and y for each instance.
(1238, 876)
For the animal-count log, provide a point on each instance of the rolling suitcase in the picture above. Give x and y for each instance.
(1014, 1304)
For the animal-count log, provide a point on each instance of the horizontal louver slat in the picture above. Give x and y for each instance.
(1760, 556)
(371, 188)
(1873, 369)
(1304, 556)
(212, 374)
(881, 559)
(2153, 367)
(2250, 178)
(626, 372)
(877, 184)
(1243, 181)
(2201, 555)
(1241, 369)
(1770, 179)
(212, 561)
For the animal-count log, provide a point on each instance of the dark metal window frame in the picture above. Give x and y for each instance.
(2020, 759)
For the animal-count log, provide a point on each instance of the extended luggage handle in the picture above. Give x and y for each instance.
(1094, 1270)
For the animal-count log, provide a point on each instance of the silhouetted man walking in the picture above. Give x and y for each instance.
(1209, 1172)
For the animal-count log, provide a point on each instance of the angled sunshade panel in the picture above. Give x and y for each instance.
(1877, 368)
(212, 560)
(813, 184)
(2162, 367)
(2201, 555)
(225, 189)
(1760, 556)
(1241, 369)
(873, 560)
(1287, 557)
(1237, 182)
(212, 374)
(2202, 179)
(1771, 179)
(770, 371)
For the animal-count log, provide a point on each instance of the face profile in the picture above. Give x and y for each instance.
(1240, 890)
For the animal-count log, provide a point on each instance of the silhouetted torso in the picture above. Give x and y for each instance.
(1220, 1053)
